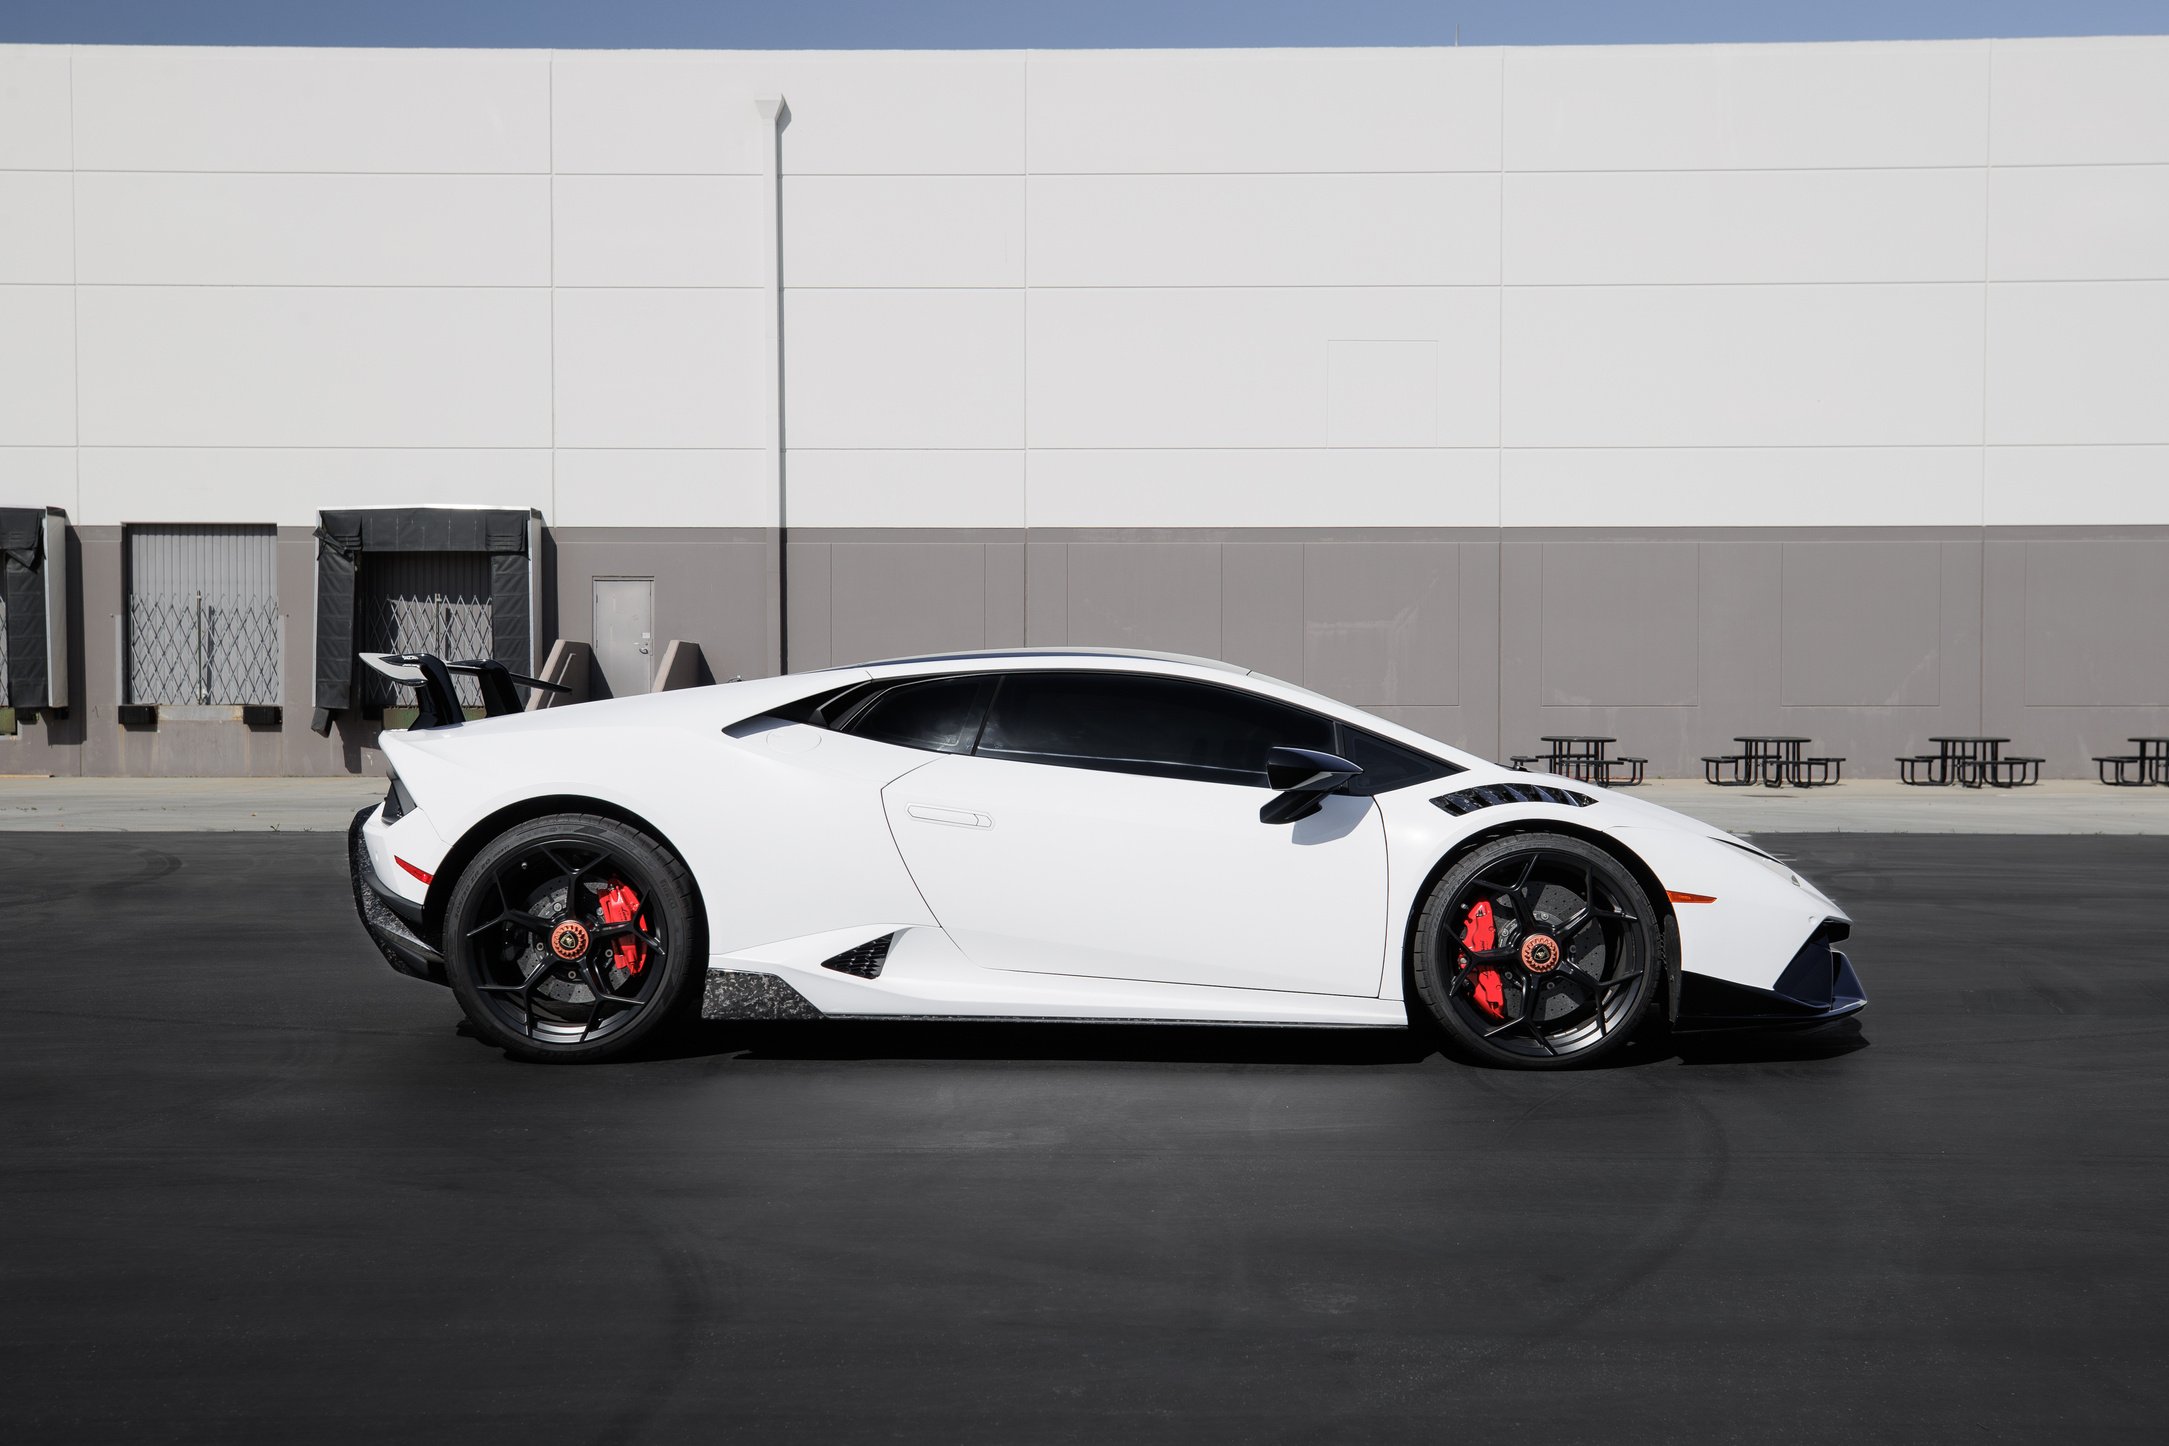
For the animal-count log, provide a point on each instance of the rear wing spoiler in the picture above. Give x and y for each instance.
(437, 701)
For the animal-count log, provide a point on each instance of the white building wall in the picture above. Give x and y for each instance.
(1853, 284)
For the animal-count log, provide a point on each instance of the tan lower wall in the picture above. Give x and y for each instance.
(1673, 641)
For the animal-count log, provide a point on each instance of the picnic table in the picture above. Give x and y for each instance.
(2150, 763)
(1773, 760)
(1583, 757)
(1969, 760)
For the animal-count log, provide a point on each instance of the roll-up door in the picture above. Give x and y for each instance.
(203, 615)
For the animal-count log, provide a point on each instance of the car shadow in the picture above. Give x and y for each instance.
(1771, 1046)
(1034, 1042)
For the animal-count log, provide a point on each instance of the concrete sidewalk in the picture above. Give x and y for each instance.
(282, 805)
(182, 805)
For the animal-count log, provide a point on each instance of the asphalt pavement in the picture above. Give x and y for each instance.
(255, 1187)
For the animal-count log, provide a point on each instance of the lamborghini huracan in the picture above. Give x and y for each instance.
(1051, 834)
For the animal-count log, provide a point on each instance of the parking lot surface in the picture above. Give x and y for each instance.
(257, 1188)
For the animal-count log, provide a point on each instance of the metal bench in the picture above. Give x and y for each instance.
(2011, 772)
(1814, 772)
(1925, 770)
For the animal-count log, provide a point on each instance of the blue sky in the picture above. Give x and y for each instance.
(944, 24)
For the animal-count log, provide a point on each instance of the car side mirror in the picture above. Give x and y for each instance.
(1301, 778)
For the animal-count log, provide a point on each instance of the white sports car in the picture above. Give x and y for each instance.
(1051, 834)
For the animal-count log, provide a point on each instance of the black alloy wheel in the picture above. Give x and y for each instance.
(1538, 951)
(571, 937)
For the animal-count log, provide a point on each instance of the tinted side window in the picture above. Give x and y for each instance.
(1387, 766)
(1132, 723)
(941, 715)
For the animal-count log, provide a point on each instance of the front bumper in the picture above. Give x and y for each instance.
(1818, 986)
(394, 924)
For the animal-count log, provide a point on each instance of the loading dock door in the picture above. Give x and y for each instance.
(423, 602)
(203, 615)
(368, 600)
(625, 634)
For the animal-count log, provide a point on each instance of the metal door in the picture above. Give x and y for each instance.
(203, 615)
(624, 635)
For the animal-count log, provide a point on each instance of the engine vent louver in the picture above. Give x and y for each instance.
(865, 961)
(1487, 795)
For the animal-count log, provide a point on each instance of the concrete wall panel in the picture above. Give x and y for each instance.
(1862, 625)
(897, 599)
(890, 231)
(1740, 486)
(232, 109)
(1701, 227)
(1381, 621)
(309, 366)
(1621, 624)
(658, 230)
(2078, 223)
(660, 368)
(652, 113)
(313, 230)
(37, 366)
(633, 486)
(2078, 363)
(918, 488)
(1144, 594)
(1261, 607)
(1742, 366)
(2076, 486)
(2094, 634)
(37, 241)
(1265, 230)
(904, 369)
(38, 477)
(1176, 112)
(1719, 107)
(1282, 487)
(1238, 367)
(288, 485)
(2081, 101)
(34, 121)
(2072, 651)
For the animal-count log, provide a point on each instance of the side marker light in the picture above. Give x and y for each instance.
(425, 878)
(1679, 898)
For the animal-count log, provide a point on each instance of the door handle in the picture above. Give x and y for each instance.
(957, 817)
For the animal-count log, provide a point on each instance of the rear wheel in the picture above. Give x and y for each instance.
(1538, 951)
(571, 938)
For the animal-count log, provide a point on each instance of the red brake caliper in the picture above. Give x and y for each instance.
(621, 905)
(1479, 933)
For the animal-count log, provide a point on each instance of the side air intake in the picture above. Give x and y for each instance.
(1488, 795)
(865, 961)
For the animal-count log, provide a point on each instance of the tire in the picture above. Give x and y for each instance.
(541, 989)
(1565, 992)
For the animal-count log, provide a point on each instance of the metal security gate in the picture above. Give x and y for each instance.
(423, 602)
(203, 615)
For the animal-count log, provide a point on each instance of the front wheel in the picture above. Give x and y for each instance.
(571, 938)
(1538, 951)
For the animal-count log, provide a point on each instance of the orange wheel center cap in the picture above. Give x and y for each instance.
(569, 940)
(1540, 953)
